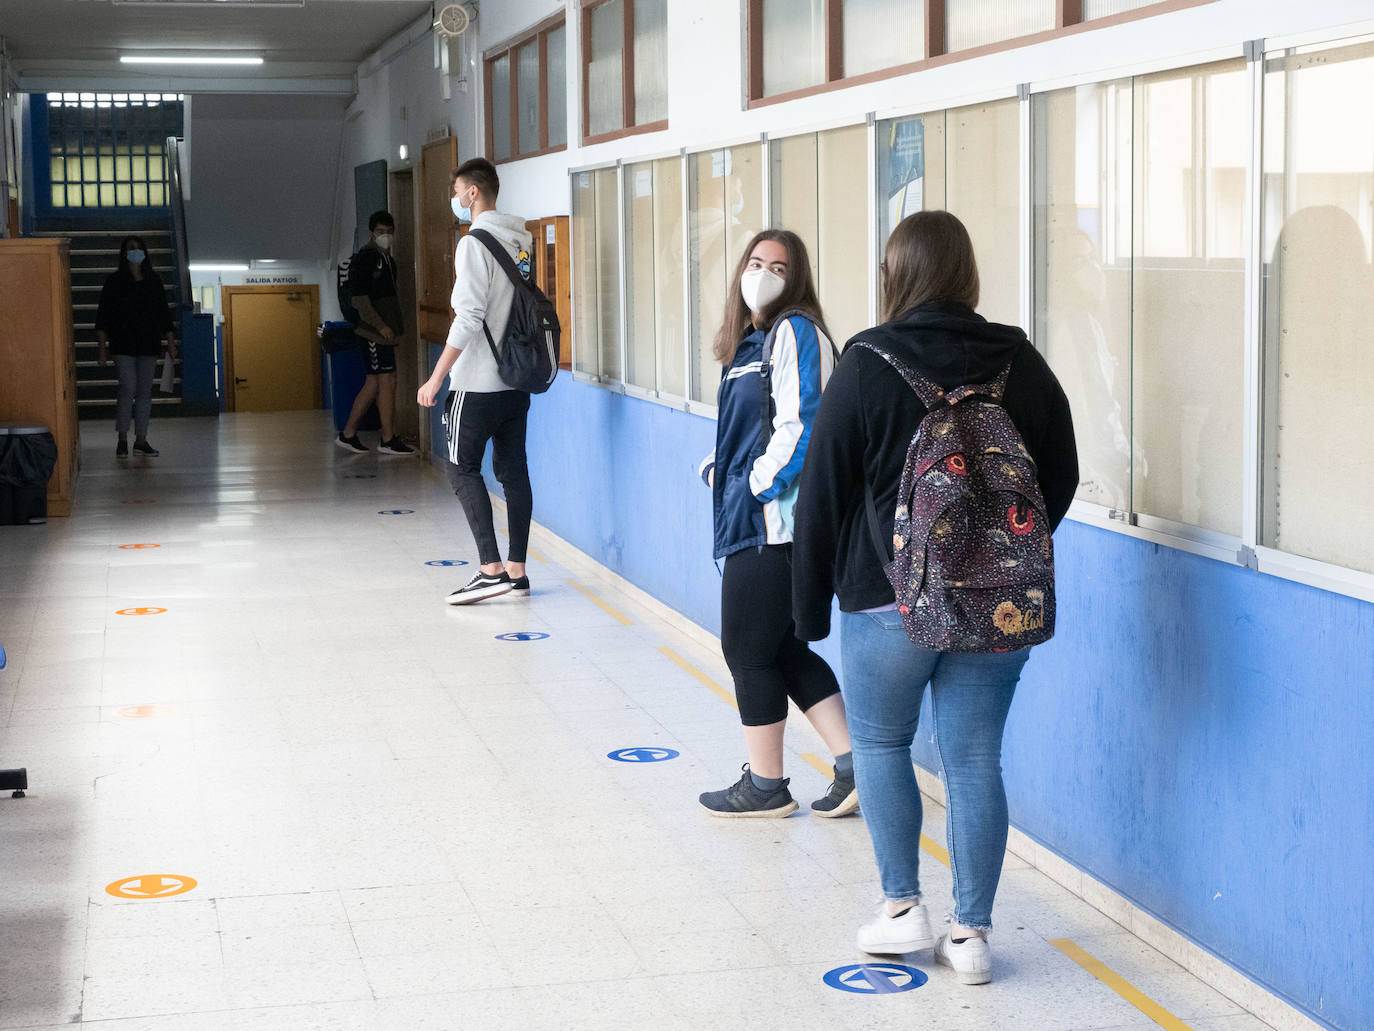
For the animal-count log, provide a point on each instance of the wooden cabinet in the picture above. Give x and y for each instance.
(37, 352)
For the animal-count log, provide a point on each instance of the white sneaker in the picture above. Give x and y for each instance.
(971, 959)
(894, 935)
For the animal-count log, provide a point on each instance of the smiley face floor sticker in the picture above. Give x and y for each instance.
(137, 547)
(447, 562)
(148, 611)
(643, 755)
(875, 978)
(144, 712)
(396, 511)
(151, 886)
(523, 635)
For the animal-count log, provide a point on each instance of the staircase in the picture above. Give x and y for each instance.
(94, 255)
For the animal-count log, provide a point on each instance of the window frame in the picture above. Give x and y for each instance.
(536, 35)
(627, 77)
(1068, 21)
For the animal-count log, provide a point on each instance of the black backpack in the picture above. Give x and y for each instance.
(344, 288)
(527, 358)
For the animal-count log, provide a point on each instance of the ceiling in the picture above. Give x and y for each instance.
(77, 43)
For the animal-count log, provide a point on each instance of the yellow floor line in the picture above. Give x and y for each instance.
(528, 550)
(927, 843)
(623, 619)
(721, 693)
(822, 768)
(1120, 985)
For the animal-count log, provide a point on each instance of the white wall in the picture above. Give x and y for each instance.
(705, 77)
(263, 177)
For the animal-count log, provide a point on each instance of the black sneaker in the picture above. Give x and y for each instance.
(744, 800)
(142, 447)
(481, 586)
(350, 443)
(841, 800)
(520, 585)
(395, 446)
(122, 449)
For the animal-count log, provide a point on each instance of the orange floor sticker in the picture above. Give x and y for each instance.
(140, 612)
(135, 547)
(150, 886)
(145, 712)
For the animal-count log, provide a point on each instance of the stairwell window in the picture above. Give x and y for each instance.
(526, 93)
(624, 68)
(107, 150)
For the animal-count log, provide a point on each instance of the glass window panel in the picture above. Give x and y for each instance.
(586, 313)
(605, 73)
(124, 195)
(107, 166)
(793, 191)
(882, 34)
(107, 195)
(557, 48)
(911, 169)
(973, 23)
(122, 167)
(651, 61)
(528, 97)
(1188, 311)
(725, 194)
(1081, 177)
(140, 168)
(90, 196)
(140, 195)
(608, 272)
(59, 170)
(983, 173)
(156, 195)
(156, 169)
(1318, 480)
(59, 197)
(842, 253)
(639, 274)
(793, 45)
(1102, 8)
(669, 321)
(500, 108)
(73, 196)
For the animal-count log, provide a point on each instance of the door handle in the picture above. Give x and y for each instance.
(239, 379)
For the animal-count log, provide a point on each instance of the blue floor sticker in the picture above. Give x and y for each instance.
(447, 562)
(642, 755)
(522, 635)
(396, 511)
(875, 978)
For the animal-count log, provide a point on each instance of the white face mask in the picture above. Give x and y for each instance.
(384, 241)
(760, 287)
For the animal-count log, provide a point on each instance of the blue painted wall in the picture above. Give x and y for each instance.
(1197, 736)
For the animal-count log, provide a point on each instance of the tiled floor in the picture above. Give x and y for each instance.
(396, 820)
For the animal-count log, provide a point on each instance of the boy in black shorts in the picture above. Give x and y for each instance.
(372, 280)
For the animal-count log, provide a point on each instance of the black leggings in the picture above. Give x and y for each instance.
(768, 663)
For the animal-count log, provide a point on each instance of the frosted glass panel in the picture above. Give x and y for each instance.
(605, 76)
(725, 200)
(1188, 305)
(639, 274)
(1318, 476)
(973, 23)
(983, 172)
(1082, 180)
(557, 47)
(596, 273)
(651, 61)
(608, 271)
(793, 45)
(1102, 8)
(653, 275)
(500, 108)
(882, 34)
(528, 97)
(911, 169)
(670, 324)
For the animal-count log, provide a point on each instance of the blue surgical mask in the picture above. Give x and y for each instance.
(135, 256)
(464, 214)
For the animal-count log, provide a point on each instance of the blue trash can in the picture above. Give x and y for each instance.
(343, 360)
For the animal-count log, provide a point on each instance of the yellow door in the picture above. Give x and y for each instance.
(275, 365)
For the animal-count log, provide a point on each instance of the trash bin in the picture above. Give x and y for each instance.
(28, 455)
(344, 360)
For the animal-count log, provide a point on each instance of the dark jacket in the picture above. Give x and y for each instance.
(372, 280)
(133, 314)
(866, 421)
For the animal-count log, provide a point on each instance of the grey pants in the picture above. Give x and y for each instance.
(135, 393)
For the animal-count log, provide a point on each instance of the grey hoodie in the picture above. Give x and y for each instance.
(481, 290)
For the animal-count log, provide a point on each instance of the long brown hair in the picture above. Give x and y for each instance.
(929, 257)
(799, 291)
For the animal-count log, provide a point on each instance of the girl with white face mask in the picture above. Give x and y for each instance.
(776, 356)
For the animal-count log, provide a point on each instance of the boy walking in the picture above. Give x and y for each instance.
(480, 407)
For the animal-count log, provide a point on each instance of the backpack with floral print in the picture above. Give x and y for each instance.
(973, 563)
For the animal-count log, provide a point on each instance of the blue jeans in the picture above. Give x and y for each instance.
(970, 695)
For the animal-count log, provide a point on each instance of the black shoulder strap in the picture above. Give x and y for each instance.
(502, 258)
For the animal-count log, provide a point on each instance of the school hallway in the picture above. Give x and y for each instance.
(331, 801)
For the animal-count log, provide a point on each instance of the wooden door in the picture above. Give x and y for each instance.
(439, 237)
(271, 352)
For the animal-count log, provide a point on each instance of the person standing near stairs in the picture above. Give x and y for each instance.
(132, 322)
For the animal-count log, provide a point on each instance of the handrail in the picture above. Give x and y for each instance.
(178, 206)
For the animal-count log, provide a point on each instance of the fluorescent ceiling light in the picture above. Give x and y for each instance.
(217, 268)
(172, 59)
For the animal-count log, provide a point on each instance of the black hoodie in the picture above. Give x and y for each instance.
(867, 418)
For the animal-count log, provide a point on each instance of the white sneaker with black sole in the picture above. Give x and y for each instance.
(897, 935)
(969, 958)
(480, 587)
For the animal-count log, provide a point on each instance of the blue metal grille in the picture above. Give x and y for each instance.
(108, 150)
